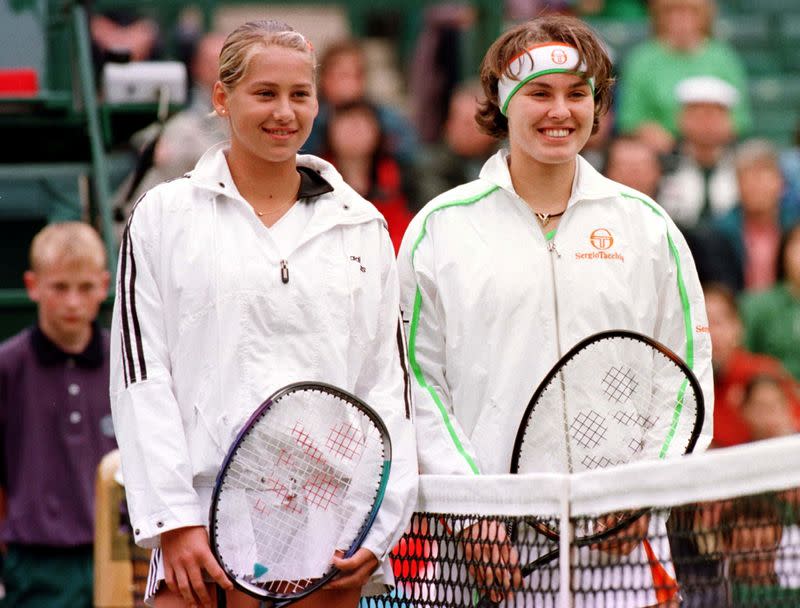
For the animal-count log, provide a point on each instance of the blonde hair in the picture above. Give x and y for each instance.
(549, 28)
(241, 44)
(707, 10)
(756, 153)
(73, 242)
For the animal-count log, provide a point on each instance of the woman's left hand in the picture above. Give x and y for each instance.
(354, 572)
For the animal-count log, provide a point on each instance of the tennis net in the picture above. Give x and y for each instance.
(718, 529)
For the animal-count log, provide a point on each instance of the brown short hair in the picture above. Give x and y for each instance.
(67, 241)
(345, 46)
(238, 48)
(549, 28)
(757, 152)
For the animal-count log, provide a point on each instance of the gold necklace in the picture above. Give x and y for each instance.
(280, 210)
(544, 218)
(286, 205)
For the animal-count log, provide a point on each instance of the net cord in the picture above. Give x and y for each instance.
(763, 466)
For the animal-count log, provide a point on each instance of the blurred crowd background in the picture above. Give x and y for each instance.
(101, 99)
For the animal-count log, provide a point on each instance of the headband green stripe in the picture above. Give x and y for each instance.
(527, 79)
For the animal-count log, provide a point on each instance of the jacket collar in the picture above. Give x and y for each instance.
(589, 184)
(48, 353)
(312, 184)
(320, 183)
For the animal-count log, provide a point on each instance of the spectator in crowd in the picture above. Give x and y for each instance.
(751, 528)
(760, 532)
(702, 181)
(123, 34)
(772, 317)
(356, 145)
(342, 80)
(754, 227)
(735, 366)
(766, 408)
(632, 162)
(55, 422)
(463, 149)
(437, 63)
(682, 46)
(175, 149)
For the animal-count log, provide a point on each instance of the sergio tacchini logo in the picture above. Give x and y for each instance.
(558, 56)
(602, 241)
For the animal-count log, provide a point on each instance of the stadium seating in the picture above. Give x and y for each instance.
(789, 37)
(752, 36)
(620, 34)
(54, 164)
(769, 7)
(776, 106)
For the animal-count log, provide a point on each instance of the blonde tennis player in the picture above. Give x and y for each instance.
(259, 268)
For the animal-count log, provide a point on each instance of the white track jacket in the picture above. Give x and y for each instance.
(490, 304)
(210, 319)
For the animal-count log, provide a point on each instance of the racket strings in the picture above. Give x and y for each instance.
(618, 400)
(300, 486)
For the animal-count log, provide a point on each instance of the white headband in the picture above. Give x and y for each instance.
(548, 58)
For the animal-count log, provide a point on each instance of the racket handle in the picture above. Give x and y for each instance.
(539, 562)
(485, 602)
(222, 597)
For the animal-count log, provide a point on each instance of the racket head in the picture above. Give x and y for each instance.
(304, 477)
(615, 397)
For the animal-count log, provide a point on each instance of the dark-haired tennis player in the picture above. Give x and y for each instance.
(503, 275)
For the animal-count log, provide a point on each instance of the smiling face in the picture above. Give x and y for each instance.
(550, 119)
(272, 108)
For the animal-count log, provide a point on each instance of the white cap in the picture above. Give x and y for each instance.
(706, 89)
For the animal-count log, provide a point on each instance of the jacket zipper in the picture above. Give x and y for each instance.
(551, 248)
(284, 271)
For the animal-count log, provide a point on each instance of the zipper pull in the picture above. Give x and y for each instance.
(551, 247)
(284, 271)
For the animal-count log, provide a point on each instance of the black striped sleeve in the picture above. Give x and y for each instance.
(132, 344)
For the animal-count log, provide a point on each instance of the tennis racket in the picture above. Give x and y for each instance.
(616, 397)
(304, 478)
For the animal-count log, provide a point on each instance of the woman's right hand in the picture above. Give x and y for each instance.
(187, 556)
(492, 559)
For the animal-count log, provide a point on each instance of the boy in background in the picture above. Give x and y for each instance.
(55, 422)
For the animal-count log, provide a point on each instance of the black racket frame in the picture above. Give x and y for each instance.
(627, 521)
